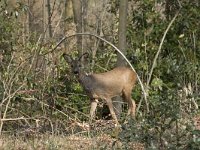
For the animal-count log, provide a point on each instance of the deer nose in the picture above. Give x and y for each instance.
(75, 71)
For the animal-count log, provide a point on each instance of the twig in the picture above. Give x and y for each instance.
(62, 111)
(159, 49)
(30, 118)
(11, 94)
(15, 119)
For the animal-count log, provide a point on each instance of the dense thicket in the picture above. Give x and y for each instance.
(36, 85)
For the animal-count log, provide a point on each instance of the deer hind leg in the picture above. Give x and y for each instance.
(110, 106)
(131, 103)
(93, 108)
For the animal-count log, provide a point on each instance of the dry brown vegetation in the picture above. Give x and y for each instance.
(95, 138)
(73, 142)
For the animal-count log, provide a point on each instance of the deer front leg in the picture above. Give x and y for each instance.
(110, 106)
(131, 110)
(93, 108)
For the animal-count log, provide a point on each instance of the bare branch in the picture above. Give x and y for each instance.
(159, 49)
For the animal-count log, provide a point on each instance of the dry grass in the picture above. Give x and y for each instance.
(99, 136)
(72, 142)
(49, 142)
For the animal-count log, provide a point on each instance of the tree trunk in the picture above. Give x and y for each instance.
(65, 21)
(49, 18)
(30, 20)
(77, 10)
(122, 46)
(122, 31)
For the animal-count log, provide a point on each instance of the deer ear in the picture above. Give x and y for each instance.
(67, 58)
(84, 55)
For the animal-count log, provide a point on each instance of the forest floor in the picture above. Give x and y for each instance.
(100, 138)
(73, 142)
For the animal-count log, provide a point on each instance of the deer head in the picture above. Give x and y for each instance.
(75, 64)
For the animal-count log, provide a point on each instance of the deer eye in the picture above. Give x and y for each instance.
(79, 65)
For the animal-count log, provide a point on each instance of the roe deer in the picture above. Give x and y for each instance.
(117, 82)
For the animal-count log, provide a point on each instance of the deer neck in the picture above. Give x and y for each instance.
(84, 79)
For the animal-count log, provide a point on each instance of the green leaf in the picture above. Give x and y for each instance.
(157, 83)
